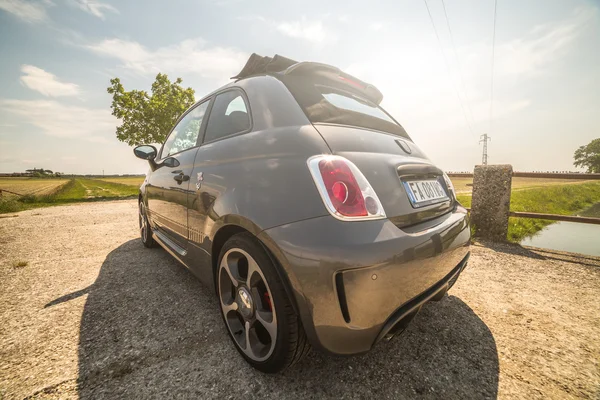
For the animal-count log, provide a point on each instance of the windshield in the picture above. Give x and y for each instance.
(332, 102)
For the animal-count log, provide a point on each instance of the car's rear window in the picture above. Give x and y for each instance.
(329, 102)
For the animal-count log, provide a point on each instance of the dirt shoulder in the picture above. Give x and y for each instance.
(94, 314)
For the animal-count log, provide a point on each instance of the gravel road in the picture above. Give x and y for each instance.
(96, 315)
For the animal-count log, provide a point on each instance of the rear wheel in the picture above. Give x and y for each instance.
(145, 230)
(255, 308)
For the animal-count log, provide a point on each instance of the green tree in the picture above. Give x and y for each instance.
(149, 118)
(588, 156)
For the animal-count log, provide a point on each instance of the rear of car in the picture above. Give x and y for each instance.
(308, 208)
(395, 237)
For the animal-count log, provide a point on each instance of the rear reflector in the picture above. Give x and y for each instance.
(345, 191)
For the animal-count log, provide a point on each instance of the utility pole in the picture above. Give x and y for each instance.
(484, 139)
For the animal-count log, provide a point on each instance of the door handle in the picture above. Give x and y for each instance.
(181, 177)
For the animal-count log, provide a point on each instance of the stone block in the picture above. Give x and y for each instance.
(491, 201)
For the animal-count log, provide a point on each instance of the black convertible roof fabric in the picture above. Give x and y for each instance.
(257, 64)
(277, 64)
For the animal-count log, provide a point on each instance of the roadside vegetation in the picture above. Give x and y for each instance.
(69, 191)
(569, 199)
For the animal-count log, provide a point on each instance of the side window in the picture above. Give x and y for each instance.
(229, 115)
(185, 134)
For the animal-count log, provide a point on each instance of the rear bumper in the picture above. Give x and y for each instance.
(405, 313)
(354, 283)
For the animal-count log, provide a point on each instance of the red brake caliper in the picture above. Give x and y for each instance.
(267, 300)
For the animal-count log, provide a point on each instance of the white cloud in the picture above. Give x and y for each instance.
(376, 26)
(96, 8)
(46, 83)
(29, 11)
(317, 30)
(190, 56)
(312, 31)
(62, 121)
(251, 18)
(543, 45)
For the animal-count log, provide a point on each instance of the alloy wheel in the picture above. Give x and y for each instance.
(247, 304)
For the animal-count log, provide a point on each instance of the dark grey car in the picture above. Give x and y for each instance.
(308, 209)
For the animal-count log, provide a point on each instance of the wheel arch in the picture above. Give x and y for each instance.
(227, 231)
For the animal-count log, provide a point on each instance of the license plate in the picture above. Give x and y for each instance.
(424, 193)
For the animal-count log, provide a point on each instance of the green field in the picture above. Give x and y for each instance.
(74, 190)
(92, 189)
(567, 199)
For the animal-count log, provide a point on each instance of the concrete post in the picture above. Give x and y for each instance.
(491, 201)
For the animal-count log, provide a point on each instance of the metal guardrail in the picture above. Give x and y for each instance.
(541, 175)
(556, 217)
(553, 217)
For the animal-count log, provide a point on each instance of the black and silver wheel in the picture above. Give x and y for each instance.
(257, 313)
(145, 231)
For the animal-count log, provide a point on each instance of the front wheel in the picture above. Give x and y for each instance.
(145, 230)
(255, 308)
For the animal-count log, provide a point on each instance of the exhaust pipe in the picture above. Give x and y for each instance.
(401, 326)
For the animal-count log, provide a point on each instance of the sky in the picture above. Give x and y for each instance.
(57, 57)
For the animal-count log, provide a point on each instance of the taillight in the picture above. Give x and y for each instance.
(345, 191)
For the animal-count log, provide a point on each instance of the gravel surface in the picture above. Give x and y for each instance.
(96, 315)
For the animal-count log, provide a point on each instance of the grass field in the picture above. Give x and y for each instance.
(74, 190)
(31, 186)
(464, 185)
(568, 199)
(125, 180)
(91, 189)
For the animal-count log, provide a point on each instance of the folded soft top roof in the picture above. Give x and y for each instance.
(279, 65)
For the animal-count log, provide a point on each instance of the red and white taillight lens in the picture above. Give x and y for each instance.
(344, 189)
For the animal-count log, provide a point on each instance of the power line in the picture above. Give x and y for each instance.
(492, 74)
(462, 81)
(447, 67)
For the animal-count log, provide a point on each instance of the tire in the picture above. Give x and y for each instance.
(254, 313)
(145, 230)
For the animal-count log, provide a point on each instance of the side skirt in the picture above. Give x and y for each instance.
(179, 253)
(165, 241)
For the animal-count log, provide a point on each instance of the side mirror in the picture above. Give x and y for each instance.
(145, 152)
(148, 153)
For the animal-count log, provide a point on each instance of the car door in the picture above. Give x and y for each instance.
(214, 172)
(168, 186)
